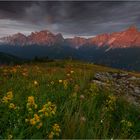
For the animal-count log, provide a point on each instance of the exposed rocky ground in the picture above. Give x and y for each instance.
(122, 84)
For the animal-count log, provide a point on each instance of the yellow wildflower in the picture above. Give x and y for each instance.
(53, 112)
(8, 97)
(82, 97)
(37, 118)
(51, 135)
(55, 131)
(25, 74)
(56, 128)
(31, 103)
(46, 114)
(32, 121)
(129, 124)
(31, 100)
(48, 109)
(35, 106)
(83, 119)
(126, 123)
(49, 103)
(14, 70)
(5, 99)
(26, 120)
(35, 83)
(68, 74)
(60, 81)
(65, 83)
(112, 98)
(39, 125)
(12, 106)
(71, 71)
(101, 121)
(111, 102)
(30, 110)
(10, 136)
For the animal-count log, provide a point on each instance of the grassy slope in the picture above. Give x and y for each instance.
(83, 110)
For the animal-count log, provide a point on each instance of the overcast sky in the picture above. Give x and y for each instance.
(70, 18)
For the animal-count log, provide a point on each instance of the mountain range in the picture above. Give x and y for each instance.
(117, 49)
(124, 39)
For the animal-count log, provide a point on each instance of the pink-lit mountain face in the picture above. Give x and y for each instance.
(16, 39)
(44, 38)
(39, 38)
(127, 38)
(124, 39)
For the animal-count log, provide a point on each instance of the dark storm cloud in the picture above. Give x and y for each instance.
(71, 18)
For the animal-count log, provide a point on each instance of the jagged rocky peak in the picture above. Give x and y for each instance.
(44, 37)
(59, 37)
(19, 34)
(132, 28)
(41, 33)
(16, 39)
(129, 37)
(124, 39)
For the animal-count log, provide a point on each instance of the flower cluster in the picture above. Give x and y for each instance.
(7, 100)
(65, 83)
(8, 97)
(13, 70)
(48, 110)
(12, 106)
(55, 131)
(25, 72)
(31, 104)
(126, 123)
(70, 72)
(35, 121)
(111, 102)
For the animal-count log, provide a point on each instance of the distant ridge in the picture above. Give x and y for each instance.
(129, 37)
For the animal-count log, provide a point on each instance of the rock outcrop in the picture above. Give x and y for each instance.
(122, 84)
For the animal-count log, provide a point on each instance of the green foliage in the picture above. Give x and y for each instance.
(58, 100)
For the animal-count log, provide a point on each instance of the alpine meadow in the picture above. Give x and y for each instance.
(69, 70)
